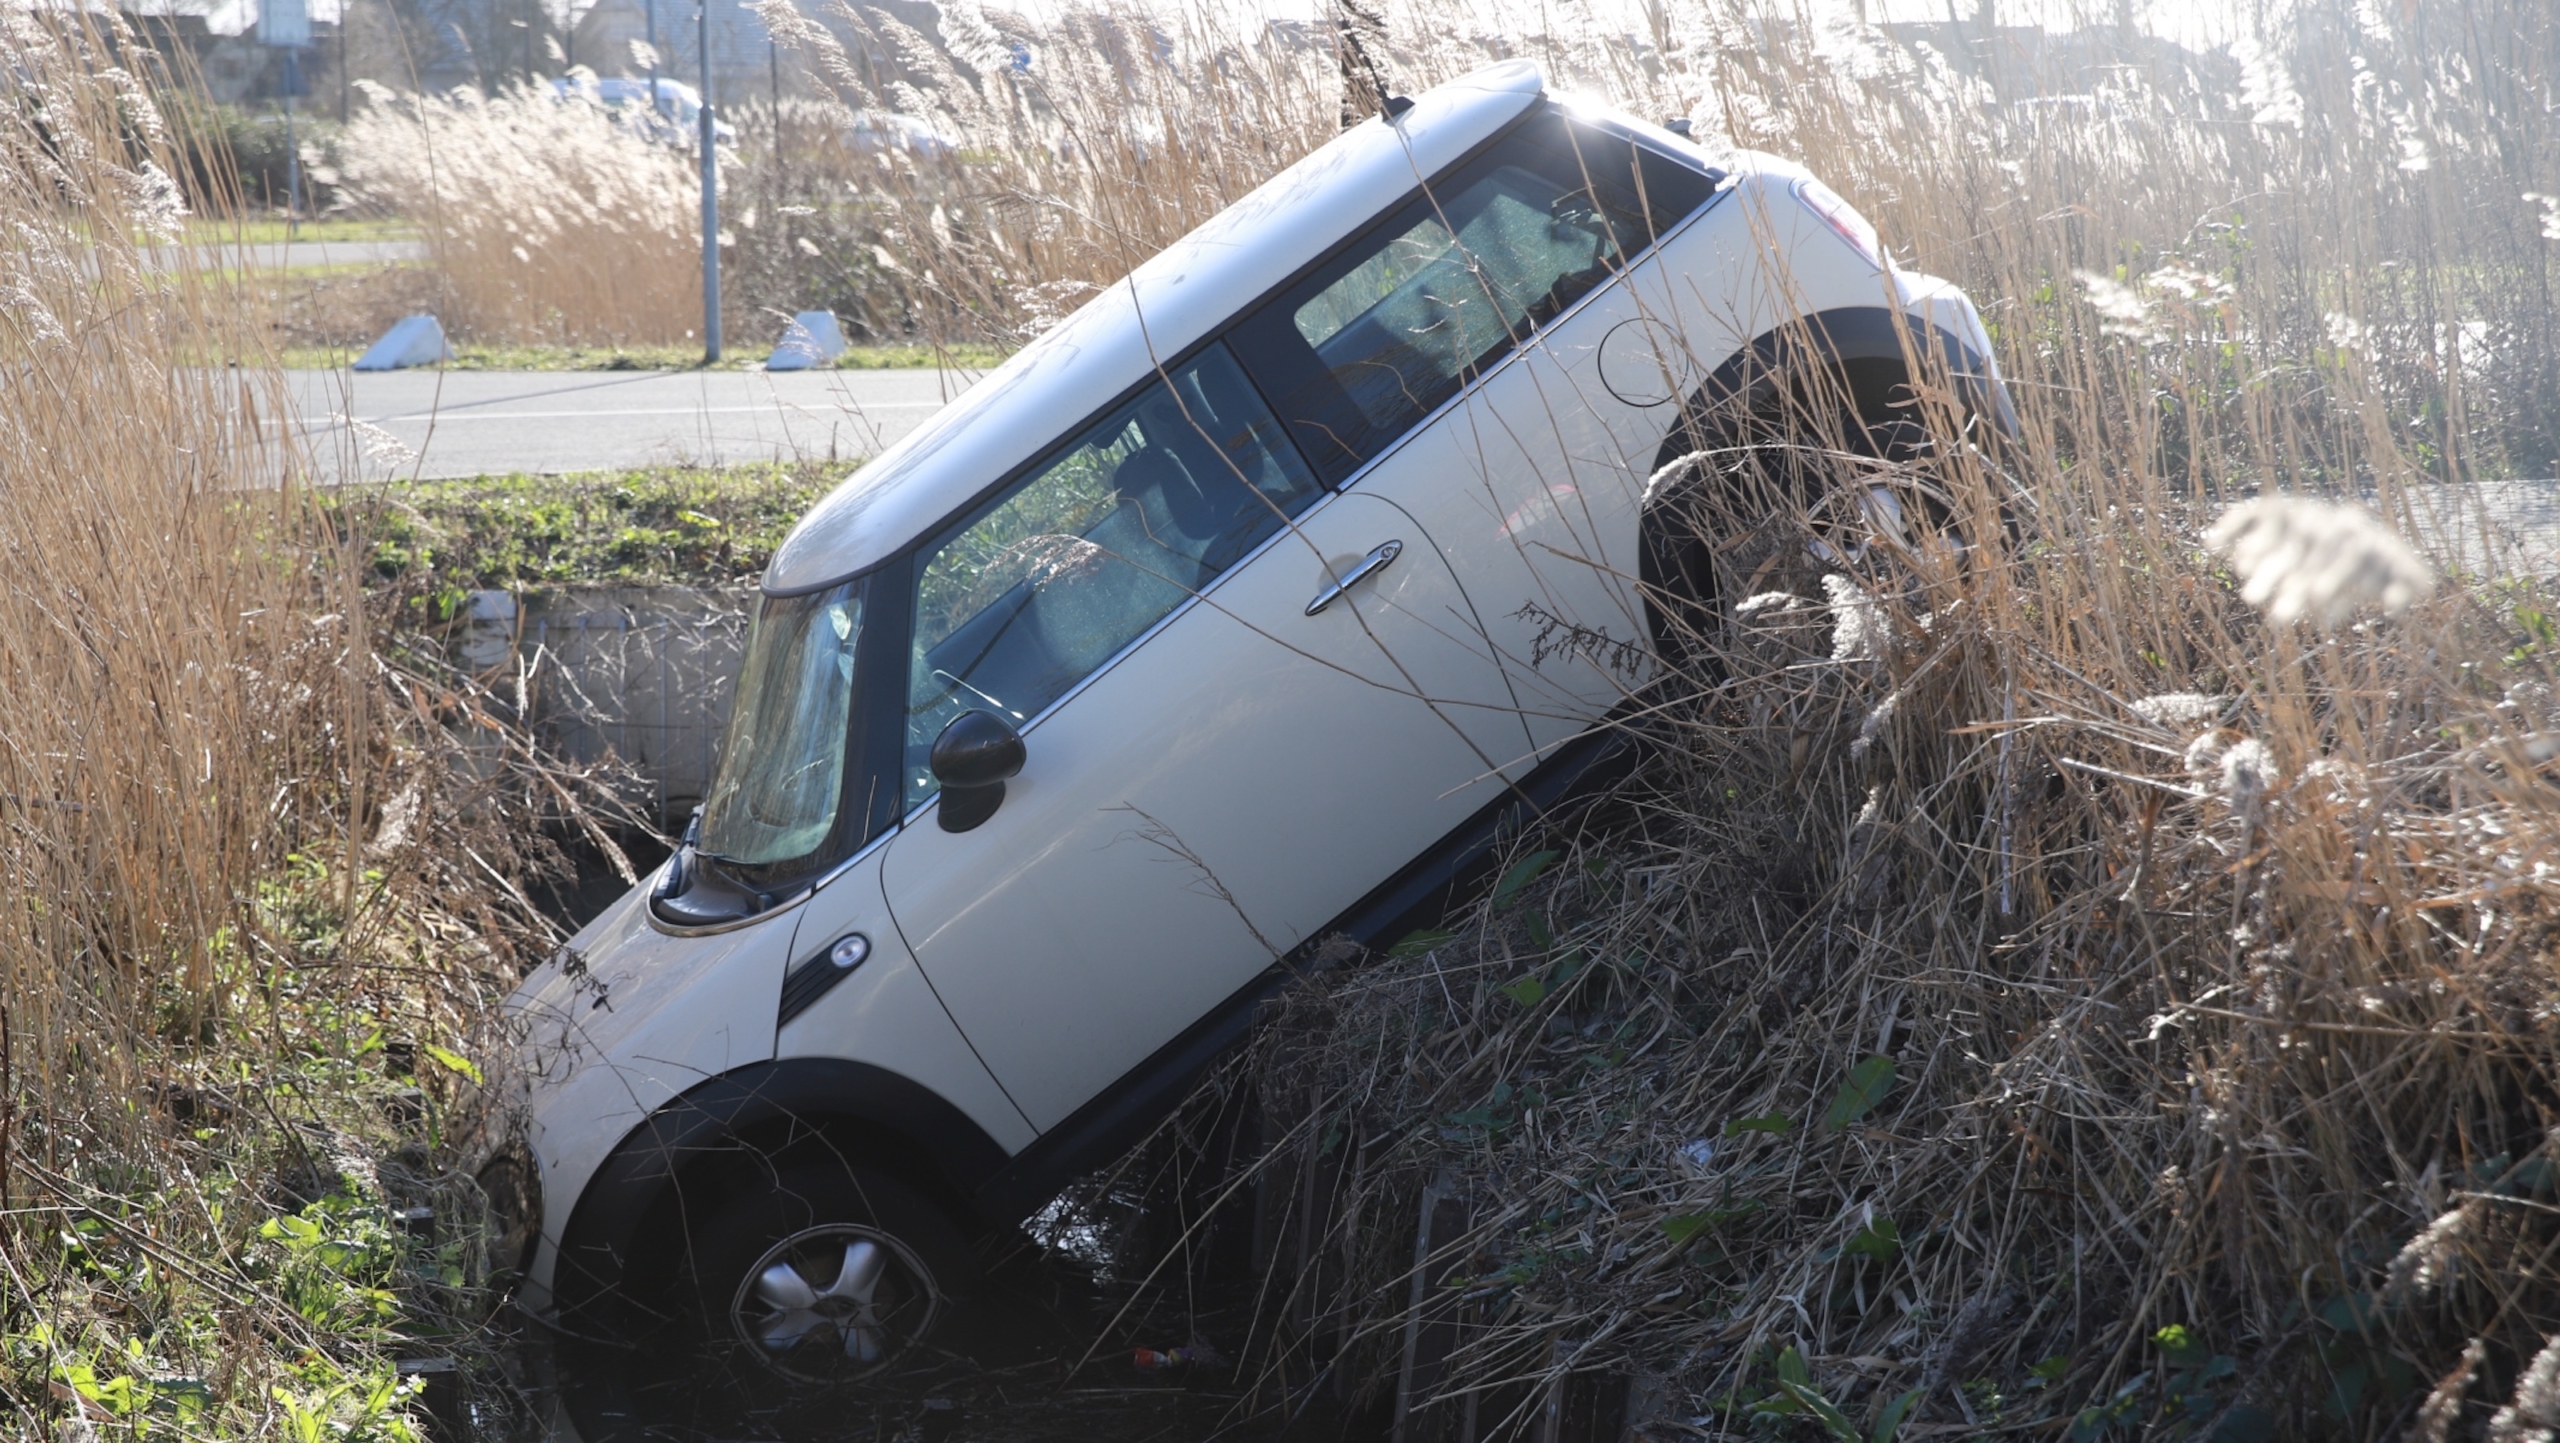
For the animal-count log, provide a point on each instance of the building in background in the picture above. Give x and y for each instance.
(746, 65)
(232, 67)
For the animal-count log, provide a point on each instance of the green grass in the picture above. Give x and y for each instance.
(272, 230)
(433, 541)
(279, 1241)
(470, 356)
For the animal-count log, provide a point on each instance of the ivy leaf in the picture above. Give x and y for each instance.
(2180, 1347)
(2355, 1313)
(1796, 1381)
(454, 1061)
(1890, 1421)
(1417, 943)
(1527, 991)
(1687, 1226)
(1506, 893)
(1879, 1240)
(1868, 1083)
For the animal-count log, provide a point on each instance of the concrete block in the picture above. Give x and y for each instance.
(489, 629)
(812, 339)
(411, 341)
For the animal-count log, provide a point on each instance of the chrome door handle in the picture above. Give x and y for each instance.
(1370, 565)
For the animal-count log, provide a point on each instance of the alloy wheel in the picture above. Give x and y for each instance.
(834, 1303)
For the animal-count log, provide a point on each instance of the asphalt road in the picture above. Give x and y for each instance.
(295, 255)
(2490, 527)
(427, 423)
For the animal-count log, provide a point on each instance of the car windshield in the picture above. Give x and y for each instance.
(775, 799)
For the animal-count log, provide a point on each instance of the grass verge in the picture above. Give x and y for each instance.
(273, 230)
(474, 356)
(430, 541)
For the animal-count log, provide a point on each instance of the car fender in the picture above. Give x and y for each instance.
(830, 1102)
(621, 1021)
(1844, 334)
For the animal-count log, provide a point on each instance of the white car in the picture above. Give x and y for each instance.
(674, 120)
(871, 132)
(1203, 632)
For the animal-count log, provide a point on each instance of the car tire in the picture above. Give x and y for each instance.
(1768, 463)
(825, 1271)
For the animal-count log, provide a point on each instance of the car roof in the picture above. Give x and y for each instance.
(1177, 298)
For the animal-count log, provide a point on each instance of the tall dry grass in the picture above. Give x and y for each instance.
(1127, 129)
(168, 681)
(547, 220)
(2210, 953)
(239, 871)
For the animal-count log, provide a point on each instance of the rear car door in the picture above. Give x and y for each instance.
(1497, 359)
(1217, 767)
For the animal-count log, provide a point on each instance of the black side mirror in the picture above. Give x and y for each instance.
(972, 759)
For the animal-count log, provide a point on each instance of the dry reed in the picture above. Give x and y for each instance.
(241, 867)
(548, 220)
(2209, 956)
(166, 679)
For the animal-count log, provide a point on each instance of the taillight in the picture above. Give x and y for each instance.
(1843, 218)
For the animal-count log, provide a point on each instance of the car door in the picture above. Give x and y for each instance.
(1486, 359)
(1545, 529)
(1217, 766)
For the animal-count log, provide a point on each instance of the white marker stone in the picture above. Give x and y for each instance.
(812, 339)
(411, 341)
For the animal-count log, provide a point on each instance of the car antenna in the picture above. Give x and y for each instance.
(1393, 106)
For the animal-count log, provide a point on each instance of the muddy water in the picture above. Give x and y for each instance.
(1042, 1356)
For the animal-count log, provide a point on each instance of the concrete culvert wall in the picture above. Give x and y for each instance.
(640, 675)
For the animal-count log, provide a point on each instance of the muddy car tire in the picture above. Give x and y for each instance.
(826, 1272)
(1867, 470)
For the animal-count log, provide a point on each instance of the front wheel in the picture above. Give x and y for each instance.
(828, 1272)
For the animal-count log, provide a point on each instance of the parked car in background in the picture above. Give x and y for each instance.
(871, 132)
(1211, 627)
(676, 119)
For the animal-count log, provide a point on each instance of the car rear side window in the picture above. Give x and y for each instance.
(1380, 336)
(1019, 602)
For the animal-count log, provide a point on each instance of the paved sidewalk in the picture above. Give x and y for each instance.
(471, 423)
(294, 255)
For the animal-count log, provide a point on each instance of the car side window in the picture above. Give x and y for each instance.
(1017, 603)
(1356, 353)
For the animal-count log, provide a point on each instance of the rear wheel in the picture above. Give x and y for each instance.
(827, 1272)
(1800, 474)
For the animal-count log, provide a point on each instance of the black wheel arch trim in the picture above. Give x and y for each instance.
(1844, 334)
(798, 1100)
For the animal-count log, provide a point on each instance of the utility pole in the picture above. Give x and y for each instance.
(286, 25)
(293, 86)
(292, 162)
(710, 200)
